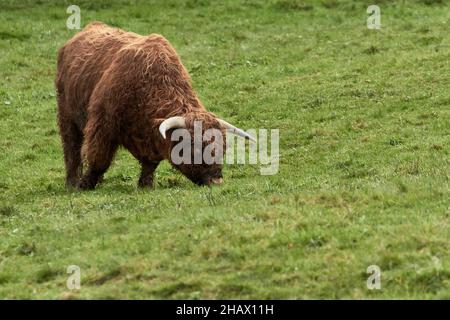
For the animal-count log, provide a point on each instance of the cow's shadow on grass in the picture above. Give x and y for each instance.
(114, 184)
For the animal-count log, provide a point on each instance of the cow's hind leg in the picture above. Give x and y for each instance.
(72, 139)
(99, 149)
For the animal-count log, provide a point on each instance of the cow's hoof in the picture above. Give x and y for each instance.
(84, 184)
(145, 183)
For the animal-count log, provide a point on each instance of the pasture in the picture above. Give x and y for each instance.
(363, 179)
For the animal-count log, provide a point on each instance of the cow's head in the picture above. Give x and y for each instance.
(196, 149)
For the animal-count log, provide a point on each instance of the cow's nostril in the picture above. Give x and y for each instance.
(216, 180)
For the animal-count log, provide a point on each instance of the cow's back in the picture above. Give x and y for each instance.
(83, 60)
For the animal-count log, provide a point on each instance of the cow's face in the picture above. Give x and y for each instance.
(197, 145)
(202, 174)
(197, 150)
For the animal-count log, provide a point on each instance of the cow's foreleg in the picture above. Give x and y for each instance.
(147, 171)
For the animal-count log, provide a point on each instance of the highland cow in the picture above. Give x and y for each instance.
(117, 88)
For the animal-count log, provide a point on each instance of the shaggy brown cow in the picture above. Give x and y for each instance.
(120, 88)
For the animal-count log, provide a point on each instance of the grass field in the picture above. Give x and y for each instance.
(364, 157)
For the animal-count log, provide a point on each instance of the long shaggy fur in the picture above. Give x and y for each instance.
(115, 88)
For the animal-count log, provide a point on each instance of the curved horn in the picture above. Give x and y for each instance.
(171, 123)
(235, 130)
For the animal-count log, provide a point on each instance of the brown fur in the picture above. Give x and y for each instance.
(114, 89)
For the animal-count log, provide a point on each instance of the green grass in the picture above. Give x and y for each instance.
(364, 146)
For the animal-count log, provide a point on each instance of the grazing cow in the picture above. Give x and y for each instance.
(117, 88)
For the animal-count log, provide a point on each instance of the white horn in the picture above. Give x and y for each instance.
(236, 131)
(171, 123)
